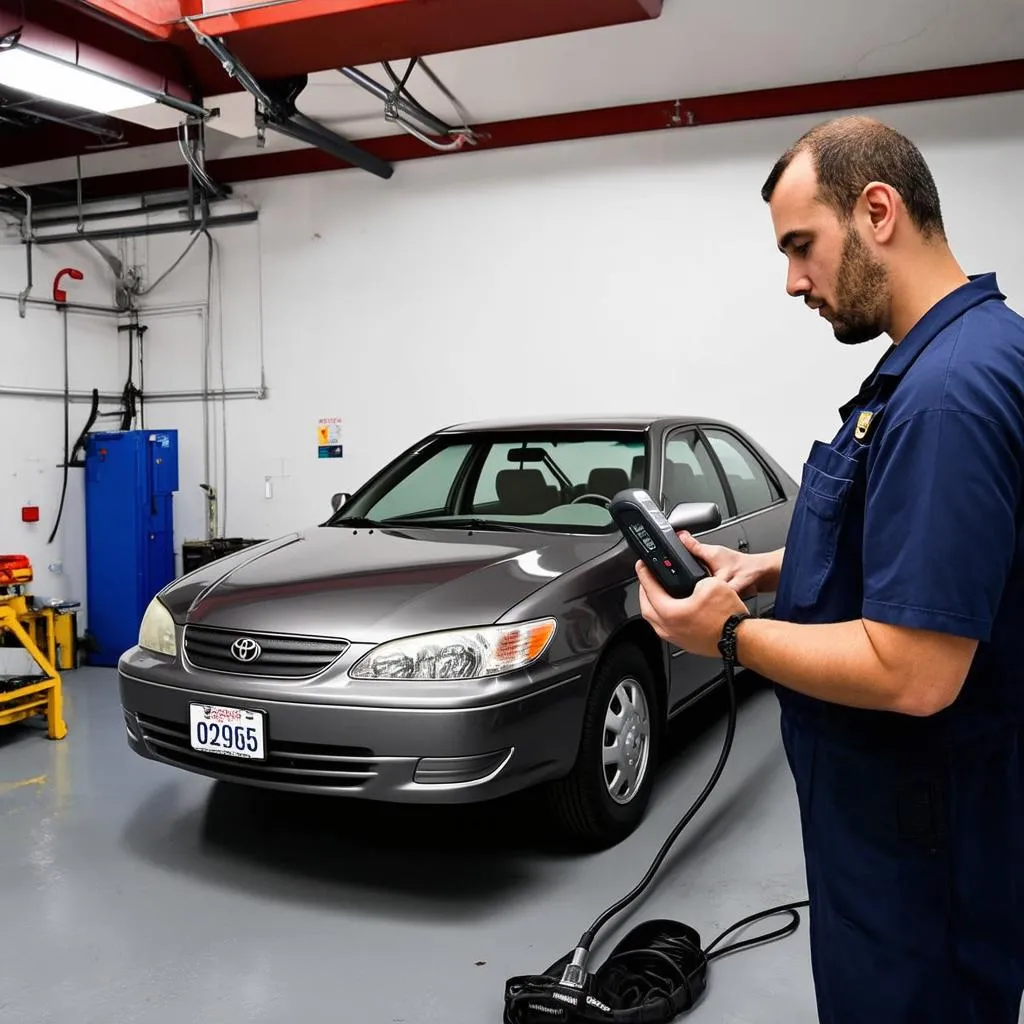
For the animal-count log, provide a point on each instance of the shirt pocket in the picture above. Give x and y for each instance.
(826, 495)
(824, 458)
(814, 541)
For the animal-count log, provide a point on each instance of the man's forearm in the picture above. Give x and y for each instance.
(769, 570)
(835, 662)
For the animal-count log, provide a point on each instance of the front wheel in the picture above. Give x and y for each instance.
(605, 796)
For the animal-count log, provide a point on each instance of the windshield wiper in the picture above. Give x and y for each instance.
(471, 524)
(358, 521)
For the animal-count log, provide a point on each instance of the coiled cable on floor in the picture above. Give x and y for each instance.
(659, 969)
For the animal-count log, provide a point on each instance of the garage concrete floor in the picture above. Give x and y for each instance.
(133, 892)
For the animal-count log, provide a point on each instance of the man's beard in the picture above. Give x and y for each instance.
(862, 294)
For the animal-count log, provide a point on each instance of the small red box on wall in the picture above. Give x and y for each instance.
(30, 514)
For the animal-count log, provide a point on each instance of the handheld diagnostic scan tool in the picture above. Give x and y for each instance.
(654, 540)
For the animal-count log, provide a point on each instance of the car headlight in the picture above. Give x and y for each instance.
(157, 630)
(458, 654)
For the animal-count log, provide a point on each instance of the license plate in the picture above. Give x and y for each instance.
(231, 732)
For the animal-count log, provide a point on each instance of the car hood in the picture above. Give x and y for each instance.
(368, 586)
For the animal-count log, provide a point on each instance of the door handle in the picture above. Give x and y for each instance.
(744, 544)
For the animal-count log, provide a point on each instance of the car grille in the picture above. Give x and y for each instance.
(295, 764)
(280, 656)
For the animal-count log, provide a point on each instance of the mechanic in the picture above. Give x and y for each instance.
(894, 645)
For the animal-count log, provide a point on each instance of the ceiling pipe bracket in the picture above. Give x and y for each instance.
(275, 109)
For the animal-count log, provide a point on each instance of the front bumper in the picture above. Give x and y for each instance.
(399, 754)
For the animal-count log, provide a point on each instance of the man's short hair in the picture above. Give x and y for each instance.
(850, 152)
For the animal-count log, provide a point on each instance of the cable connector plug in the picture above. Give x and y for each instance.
(575, 973)
(563, 994)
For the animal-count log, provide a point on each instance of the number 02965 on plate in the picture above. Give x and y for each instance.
(231, 732)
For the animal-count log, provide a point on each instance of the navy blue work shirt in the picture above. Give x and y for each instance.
(912, 515)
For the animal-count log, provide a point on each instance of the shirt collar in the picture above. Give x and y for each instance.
(897, 358)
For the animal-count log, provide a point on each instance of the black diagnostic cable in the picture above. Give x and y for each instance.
(659, 969)
(67, 430)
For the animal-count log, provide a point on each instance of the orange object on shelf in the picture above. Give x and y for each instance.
(15, 570)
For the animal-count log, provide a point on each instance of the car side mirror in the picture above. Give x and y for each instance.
(338, 500)
(695, 516)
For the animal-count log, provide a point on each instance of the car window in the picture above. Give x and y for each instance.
(498, 462)
(556, 480)
(426, 488)
(747, 479)
(690, 473)
(535, 476)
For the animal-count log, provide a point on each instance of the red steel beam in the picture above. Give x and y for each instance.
(304, 36)
(296, 37)
(913, 87)
(153, 18)
(504, 21)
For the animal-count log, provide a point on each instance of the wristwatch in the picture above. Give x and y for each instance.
(727, 644)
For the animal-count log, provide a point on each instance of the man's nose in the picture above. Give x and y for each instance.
(797, 283)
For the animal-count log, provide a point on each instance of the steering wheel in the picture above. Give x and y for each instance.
(593, 499)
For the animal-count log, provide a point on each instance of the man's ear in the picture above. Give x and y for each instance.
(881, 203)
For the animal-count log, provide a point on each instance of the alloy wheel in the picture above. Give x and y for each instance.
(627, 740)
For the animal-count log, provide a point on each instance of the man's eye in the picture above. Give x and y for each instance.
(802, 250)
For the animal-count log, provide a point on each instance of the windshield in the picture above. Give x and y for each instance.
(554, 481)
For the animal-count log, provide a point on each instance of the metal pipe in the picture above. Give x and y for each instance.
(72, 396)
(259, 393)
(111, 137)
(241, 9)
(74, 307)
(174, 227)
(165, 207)
(182, 106)
(374, 87)
(231, 65)
(172, 309)
(142, 377)
(445, 147)
(205, 376)
(196, 164)
(26, 235)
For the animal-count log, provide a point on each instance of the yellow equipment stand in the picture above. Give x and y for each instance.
(22, 697)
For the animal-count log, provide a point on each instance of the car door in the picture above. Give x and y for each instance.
(760, 505)
(690, 473)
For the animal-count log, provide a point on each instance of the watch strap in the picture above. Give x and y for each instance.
(727, 643)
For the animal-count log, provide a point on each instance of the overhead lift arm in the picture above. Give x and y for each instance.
(276, 110)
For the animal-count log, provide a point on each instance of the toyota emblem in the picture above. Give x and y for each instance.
(246, 649)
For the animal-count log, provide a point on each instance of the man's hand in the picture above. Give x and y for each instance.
(693, 623)
(746, 574)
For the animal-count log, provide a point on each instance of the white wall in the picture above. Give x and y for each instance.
(610, 275)
(32, 445)
(187, 331)
(33, 427)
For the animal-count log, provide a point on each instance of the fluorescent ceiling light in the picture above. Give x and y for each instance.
(55, 80)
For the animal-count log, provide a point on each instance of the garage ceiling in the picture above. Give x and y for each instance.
(566, 70)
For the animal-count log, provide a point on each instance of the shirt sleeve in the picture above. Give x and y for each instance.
(940, 528)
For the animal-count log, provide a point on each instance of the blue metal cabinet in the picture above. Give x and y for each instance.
(130, 480)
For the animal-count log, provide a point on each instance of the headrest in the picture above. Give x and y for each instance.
(522, 491)
(607, 481)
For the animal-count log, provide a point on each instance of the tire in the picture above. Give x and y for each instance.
(593, 805)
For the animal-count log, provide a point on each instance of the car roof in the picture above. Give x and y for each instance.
(624, 422)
